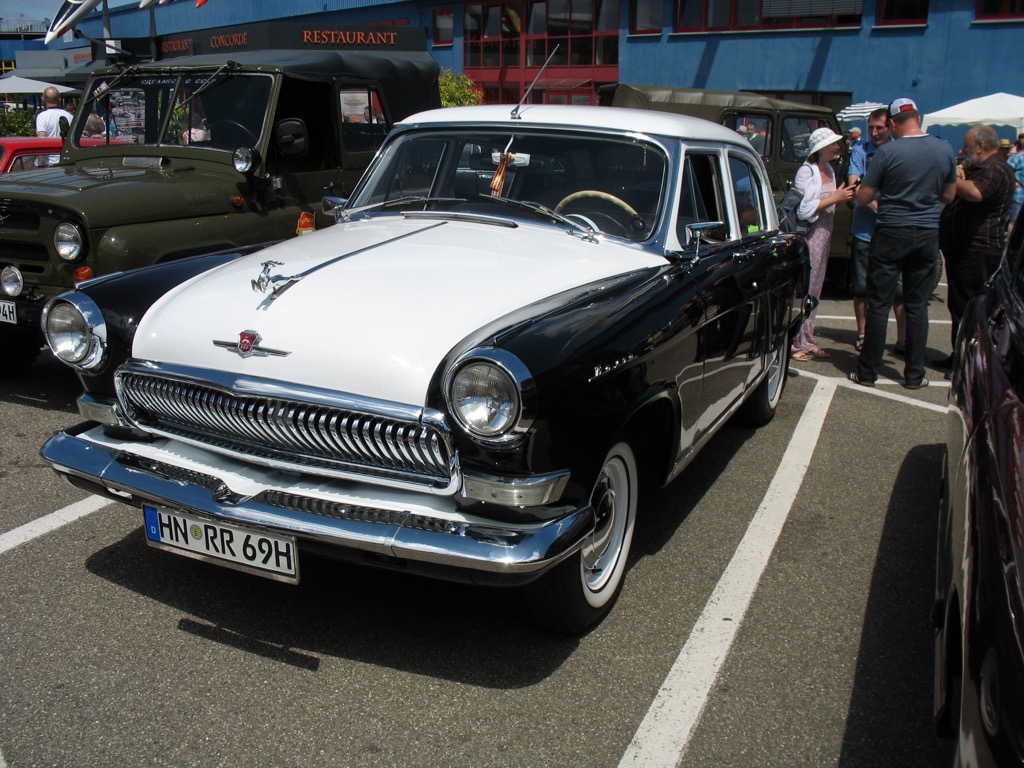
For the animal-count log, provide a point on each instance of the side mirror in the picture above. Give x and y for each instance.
(702, 230)
(292, 138)
(65, 127)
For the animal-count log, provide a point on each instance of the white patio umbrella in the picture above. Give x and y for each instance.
(994, 109)
(858, 111)
(13, 84)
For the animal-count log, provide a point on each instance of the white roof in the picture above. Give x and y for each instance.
(612, 118)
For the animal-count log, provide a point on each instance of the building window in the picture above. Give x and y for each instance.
(645, 17)
(586, 33)
(444, 26)
(1000, 9)
(902, 11)
(703, 15)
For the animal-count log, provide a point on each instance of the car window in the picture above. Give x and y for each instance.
(747, 195)
(795, 131)
(701, 197)
(756, 128)
(615, 185)
(364, 124)
(29, 162)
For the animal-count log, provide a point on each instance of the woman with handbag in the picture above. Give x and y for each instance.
(816, 180)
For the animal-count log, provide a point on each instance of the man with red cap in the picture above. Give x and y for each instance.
(909, 178)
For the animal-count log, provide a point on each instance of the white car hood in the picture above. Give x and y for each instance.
(377, 321)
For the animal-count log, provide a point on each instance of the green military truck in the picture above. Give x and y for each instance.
(777, 129)
(192, 155)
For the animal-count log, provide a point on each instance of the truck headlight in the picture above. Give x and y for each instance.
(69, 241)
(75, 330)
(11, 281)
(244, 159)
(489, 394)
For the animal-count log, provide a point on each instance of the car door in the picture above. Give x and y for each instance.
(732, 286)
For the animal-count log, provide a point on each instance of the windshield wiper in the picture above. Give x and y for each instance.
(542, 210)
(205, 85)
(346, 214)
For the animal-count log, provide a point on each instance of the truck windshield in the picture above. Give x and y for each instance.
(220, 112)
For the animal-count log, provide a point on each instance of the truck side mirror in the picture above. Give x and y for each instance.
(292, 138)
(64, 127)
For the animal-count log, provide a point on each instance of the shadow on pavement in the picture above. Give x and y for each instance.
(890, 718)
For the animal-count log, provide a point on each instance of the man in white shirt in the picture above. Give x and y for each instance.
(48, 121)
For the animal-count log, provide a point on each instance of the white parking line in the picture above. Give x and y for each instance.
(664, 735)
(851, 318)
(879, 392)
(51, 522)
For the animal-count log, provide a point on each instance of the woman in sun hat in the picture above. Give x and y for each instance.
(816, 180)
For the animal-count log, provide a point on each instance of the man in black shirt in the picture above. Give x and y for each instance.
(972, 229)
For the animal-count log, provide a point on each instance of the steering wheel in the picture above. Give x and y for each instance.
(230, 127)
(622, 229)
(583, 193)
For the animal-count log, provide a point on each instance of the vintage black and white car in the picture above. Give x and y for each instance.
(520, 315)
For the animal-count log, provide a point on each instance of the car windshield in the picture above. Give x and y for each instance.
(218, 111)
(609, 184)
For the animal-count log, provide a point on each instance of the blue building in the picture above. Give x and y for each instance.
(831, 52)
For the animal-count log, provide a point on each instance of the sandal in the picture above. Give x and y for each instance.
(859, 343)
(800, 357)
(820, 354)
(900, 349)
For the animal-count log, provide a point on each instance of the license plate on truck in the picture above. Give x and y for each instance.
(8, 312)
(245, 549)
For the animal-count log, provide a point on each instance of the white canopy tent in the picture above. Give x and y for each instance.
(995, 109)
(14, 85)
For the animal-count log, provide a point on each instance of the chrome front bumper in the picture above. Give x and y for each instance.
(391, 526)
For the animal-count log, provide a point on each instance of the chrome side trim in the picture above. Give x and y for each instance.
(377, 525)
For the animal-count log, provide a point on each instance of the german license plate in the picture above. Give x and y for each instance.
(8, 312)
(245, 549)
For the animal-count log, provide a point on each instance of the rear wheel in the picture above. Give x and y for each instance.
(577, 593)
(760, 406)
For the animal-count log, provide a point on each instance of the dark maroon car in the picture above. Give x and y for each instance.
(979, 588)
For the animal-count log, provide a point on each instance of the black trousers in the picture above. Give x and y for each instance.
(967, 271)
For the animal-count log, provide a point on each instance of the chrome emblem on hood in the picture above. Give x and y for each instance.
(248, 345)
(263, 282)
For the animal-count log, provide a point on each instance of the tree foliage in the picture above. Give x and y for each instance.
(17, 122)
(458, 90)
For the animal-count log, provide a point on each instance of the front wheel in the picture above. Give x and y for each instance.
(577, 593)
(760, 406)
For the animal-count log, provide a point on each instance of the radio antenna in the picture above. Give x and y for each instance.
(515, 110)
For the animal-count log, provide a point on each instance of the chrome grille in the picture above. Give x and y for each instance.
(279, 431)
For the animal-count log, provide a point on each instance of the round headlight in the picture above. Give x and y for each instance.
(11, 281)
(485, 399)
(67, 333)
(68, 240)
(244, 159)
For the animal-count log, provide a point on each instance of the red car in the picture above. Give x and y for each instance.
(23, 153)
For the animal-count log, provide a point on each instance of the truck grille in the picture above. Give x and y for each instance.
(18, 220)
(23, 252)
(289, 433)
